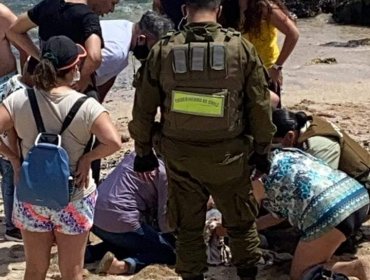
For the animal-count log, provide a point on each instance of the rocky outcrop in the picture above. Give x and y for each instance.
(310, 8)
(353, 12)
(344, 11)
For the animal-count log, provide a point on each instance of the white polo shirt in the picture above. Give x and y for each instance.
(117, 40)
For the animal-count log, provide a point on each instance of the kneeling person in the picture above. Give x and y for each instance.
(124, 202)
(326, 205)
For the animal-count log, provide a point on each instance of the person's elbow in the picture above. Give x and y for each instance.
(95, 59)
(114, 143)
(293, 34)
(11, 34)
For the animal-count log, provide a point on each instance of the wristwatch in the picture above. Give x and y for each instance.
(277, 67)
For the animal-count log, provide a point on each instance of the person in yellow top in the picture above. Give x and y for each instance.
(260, 21)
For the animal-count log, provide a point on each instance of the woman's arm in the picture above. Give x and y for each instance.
(157, 7)
(12, 152)
(288, 27)
(268, 221)
(18, 35)
(91, 63)
(109, 142)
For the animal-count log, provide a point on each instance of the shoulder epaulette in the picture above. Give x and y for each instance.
(169, 37)
(230, 32)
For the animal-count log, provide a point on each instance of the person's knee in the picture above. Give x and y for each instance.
(274, 99)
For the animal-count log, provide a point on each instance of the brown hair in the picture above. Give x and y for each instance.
(254, 13)
(45, 75)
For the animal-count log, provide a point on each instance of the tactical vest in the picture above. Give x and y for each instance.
(202, 78)
(354, 159)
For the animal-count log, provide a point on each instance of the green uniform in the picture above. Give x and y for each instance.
(215, 111)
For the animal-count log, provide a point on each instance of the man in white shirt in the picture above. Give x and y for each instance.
(122, 37)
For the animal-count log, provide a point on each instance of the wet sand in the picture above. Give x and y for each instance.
(338, 91)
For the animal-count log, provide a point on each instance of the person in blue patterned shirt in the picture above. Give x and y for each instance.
(324, 204)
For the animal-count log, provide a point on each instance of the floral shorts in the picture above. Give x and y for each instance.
(75, 218)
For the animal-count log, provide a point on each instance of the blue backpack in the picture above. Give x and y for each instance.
(45, 178)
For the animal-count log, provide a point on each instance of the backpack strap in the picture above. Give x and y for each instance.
(89, 146)
(72, 113)
(35, 110)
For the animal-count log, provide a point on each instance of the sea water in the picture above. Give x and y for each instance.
(130, 10)
(314, 33)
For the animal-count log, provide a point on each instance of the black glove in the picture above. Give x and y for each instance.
(146, 163)
(260, 162)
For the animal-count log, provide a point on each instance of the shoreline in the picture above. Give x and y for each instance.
(337, 91)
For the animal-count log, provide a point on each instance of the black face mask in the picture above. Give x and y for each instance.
(141, 52)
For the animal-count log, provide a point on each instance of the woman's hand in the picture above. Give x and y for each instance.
(82, 172)
(276, 77)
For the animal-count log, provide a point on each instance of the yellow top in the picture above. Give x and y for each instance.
(266, 43)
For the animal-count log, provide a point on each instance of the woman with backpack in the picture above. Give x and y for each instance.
(41, 225)
(325, 205)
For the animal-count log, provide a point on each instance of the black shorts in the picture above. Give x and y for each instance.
(353, 222)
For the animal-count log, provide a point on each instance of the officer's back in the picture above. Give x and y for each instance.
(215, 111)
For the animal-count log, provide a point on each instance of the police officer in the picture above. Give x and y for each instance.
(215, 111)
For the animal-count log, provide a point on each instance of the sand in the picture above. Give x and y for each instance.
(338, 91)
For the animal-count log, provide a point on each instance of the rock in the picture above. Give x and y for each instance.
(352, 12)
(16, 251)
(309, 8)
(329, 60)
(349, 44)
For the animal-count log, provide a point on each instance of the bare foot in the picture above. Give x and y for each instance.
(118, 267)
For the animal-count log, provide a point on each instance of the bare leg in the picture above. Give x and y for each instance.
(37, 246)
(71, 251)
(318, 251)
(275, 99)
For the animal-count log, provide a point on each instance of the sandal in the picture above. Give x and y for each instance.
(105, 263)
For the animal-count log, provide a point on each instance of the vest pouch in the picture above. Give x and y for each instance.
(200, 115)
(180, 63)
(217, 61)
(355, 160)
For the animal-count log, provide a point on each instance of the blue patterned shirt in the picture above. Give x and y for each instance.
(311, 195)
